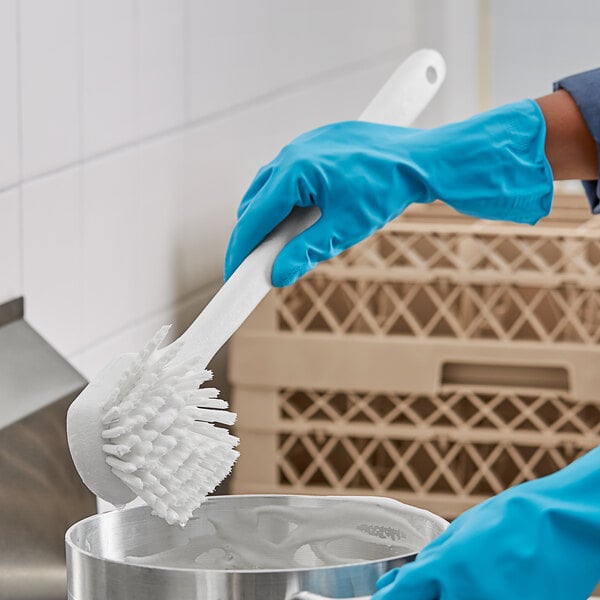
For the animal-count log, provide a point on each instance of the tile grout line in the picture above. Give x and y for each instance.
(186, 66)
(80, 173)
(140, 166)
(137, 146)
(221, 115)
(21, 209)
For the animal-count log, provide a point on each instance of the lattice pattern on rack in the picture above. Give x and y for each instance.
(440, 309)
(418, 466)
(500, 439)
(505, 250)
(455, 280)
(503, 410)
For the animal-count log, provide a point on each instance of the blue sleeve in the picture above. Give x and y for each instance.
(584, 88)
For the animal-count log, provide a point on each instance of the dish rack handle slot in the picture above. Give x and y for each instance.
(455, 373)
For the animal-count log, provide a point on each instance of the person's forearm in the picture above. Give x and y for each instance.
(570, 147)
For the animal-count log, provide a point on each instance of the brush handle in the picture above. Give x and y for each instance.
(408, 91)
(399, 102)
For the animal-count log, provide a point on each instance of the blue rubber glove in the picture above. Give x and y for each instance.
(536, 541)
(362, 175)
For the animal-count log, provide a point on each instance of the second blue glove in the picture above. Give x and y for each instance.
(535, 541)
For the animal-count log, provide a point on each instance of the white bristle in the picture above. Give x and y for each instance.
(160, 435)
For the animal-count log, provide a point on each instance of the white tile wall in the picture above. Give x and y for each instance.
(162, 65)
(52, 258)
(111, 236)
(453, 28)
(50, 47)
(9, 116)
(242, 50)
(110, 74)
(127, 198)
(550, 39)
(130, 339)
(10, 245)
(161, 201)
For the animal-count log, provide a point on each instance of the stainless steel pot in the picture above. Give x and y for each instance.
(246, 548)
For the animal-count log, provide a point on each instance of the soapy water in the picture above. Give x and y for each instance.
(285, 537)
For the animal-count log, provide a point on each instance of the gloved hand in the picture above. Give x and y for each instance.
(536, 541)
(361, 175)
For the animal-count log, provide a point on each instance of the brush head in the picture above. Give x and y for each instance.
(144, 427)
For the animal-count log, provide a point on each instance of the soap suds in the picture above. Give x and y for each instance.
(286, 537)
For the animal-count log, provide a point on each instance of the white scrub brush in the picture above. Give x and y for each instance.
(144, 426)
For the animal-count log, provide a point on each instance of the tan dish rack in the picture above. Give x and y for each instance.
(438, 362)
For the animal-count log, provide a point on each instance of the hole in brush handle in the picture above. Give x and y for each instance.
(431, 74)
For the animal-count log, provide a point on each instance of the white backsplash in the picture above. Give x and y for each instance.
(129, 130)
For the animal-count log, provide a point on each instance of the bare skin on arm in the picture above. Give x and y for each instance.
(570, 147)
